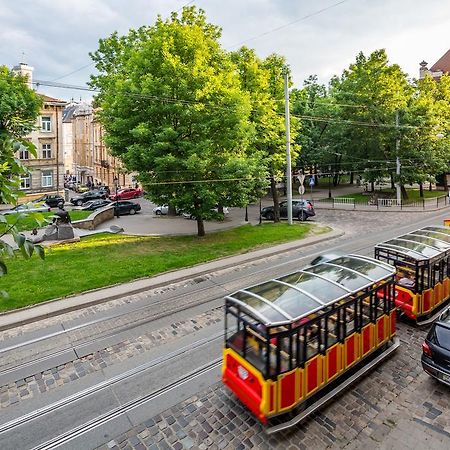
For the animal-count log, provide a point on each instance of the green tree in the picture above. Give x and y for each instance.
(370, 93)
(19, 107)
(263, 80)
(174, 112)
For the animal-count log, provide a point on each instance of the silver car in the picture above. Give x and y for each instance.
(28, 208)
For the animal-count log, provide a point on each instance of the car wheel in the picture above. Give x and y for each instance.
(158, 212)
(60, 205)
(302, 216)
(79, 203)
(132, 211)
(270, 216)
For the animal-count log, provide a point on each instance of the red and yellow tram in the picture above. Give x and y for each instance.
(291, 342)
(422, 260)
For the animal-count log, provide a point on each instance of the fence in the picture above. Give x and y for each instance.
(384, 203)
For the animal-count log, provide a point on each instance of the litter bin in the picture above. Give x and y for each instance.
(66, 194)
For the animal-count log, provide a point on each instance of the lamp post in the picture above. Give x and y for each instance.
(329, 181)
(116, 186)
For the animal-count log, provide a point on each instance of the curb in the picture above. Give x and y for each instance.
(93, 297)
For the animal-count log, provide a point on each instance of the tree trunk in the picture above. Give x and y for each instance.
(392, 181)
(351, 178)
(200, 228)
(421, 190)
(220, 209)
(404, 192)
(431, 187)
(172, 210)
(276, 201)
(372, 186)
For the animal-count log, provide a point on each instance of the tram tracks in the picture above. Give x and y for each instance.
(125, 376)
(114, 413)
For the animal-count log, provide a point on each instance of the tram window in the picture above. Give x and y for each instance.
(378, 304)
(332, 329)
(255, 344)
(349, 317)
(312, 340)
(365, 310)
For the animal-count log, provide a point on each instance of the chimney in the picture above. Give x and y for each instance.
(25, 70)
(423, 69)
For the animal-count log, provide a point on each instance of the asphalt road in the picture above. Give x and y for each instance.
(146, 332)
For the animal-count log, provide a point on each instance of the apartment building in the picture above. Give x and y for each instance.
(46, 170)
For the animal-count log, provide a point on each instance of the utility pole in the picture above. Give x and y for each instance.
(397, 150)
(288, 146)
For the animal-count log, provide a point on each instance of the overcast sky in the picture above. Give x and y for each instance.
(56, 36)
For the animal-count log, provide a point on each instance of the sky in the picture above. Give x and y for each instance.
(319, 37)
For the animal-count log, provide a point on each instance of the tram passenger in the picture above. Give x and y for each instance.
(406, 280)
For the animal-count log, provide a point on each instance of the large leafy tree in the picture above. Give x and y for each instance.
(425, 143)
(370, 93)
(173, 110)
(263, 80)
(19, 107)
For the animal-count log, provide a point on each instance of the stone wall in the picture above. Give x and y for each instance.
(95, 219)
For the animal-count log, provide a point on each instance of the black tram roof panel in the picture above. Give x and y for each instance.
(299, 294)
(419, 245)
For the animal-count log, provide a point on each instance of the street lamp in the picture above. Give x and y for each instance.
(116, 186)
(329, 181)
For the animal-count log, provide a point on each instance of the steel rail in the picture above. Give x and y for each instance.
(116, 412)
(105, 384)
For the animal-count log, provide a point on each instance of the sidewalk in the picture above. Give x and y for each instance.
(89, 298)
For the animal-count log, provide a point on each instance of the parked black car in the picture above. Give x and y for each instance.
(301, 209)
(436, 349)
(126, 207)
(92, 205)
(52, 200)
(79, 200)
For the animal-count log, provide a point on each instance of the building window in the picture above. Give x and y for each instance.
(46, 151)
(46, 123)
(24, 154)
(25, 181)
(47, 178)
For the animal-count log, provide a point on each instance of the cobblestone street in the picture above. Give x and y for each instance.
(397, 406)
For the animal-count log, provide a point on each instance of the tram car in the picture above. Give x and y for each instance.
(294, 342)
(422, 260)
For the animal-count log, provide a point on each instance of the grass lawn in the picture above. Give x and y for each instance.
(413, 195)
(105, 259)
(28, 223)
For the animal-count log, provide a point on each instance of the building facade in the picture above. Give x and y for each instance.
(46, 170)
(86, 156)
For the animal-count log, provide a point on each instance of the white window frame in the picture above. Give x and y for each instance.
(46, 125)
(46, 151)
(25, 181)
(47, 178)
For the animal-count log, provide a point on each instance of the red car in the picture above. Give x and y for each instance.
(126, 194)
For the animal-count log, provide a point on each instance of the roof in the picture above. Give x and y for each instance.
(420, 245)
(48, 99)
(443, 64)
(299, 294)
(68, 113)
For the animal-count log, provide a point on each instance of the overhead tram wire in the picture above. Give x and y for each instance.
(323, 119)
(308, 16)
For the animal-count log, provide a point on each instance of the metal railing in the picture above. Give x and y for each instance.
(384, 203)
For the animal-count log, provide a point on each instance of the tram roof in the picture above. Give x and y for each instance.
(420, 245)
(298, 294)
